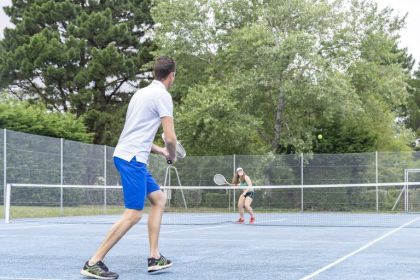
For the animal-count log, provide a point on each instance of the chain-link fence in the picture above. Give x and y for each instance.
(33, 159)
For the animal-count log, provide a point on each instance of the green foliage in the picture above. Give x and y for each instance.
(77, 56)
(209, 118)
(22, 116)
(290, 69)
(216, 200)
(412, 109)
(192, 198)
(108, 125)
(252, 76)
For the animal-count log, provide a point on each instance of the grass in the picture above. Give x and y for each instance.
(43, 211)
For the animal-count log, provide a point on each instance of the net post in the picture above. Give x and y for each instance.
(168, 180)
(61, 174)
(166, 191)
(301, 182)
(7, 204)
(105, 183)
(179, 183)
(377, 181)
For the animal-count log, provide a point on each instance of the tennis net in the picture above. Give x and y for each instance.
(370, 205)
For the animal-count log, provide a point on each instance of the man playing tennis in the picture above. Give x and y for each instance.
(148, 109)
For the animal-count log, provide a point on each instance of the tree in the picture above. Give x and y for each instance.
(84, 57)
(412, 109)
(218, 127)
(295, 66)
(25, 117)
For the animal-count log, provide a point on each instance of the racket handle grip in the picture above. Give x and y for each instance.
(168, 161)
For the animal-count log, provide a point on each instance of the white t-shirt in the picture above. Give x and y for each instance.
(145, 110)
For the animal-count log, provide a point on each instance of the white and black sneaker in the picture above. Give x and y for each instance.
(99, 271)
(159, 264)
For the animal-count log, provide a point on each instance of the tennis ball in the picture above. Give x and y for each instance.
(319, 136)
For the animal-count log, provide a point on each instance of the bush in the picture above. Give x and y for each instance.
(216, 200)
(192, 198)
(36, 119)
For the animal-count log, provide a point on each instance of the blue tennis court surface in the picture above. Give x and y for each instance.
(56, 248)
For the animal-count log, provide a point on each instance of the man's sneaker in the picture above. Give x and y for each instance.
(240, 221)
(158, 264)
(99, 271)
(252, 220)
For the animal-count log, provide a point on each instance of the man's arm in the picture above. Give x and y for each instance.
(170, 137)
(159, 150)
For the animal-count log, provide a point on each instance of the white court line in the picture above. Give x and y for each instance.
(212, 239)
(358, 250)
(189, 239)
(192, 229)
(146, 233)
(180, 230)
(37, 226)
(11, 278)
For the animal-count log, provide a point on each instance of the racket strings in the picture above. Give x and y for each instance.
(180, 151)
(219, 179)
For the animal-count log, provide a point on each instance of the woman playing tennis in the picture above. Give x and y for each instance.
(245, 199)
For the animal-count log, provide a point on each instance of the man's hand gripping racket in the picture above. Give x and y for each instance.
(180, 151)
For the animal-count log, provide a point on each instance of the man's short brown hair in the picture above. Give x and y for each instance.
(164, 65)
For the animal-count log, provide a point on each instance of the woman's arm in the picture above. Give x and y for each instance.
(248, 181)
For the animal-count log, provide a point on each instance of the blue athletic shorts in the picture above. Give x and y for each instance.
(137, 182)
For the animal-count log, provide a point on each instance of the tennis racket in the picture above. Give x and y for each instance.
(220, 180)
(180, 151)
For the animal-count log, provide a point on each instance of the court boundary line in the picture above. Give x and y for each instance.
(20, 278)
(187, 229)
(364, 247)
(31, 226)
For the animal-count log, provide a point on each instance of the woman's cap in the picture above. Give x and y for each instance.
(239, 169)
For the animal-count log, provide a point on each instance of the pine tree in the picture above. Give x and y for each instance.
(84, 57)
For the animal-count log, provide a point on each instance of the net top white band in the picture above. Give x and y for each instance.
(367, 185)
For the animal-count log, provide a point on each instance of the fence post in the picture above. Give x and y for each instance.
(61, 174)
(377, 181)
(301, 182)
(234, 191)
(4, 168)
(7, 204)
(406, 190)
(105, 183)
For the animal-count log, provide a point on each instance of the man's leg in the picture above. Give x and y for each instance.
(156, 261)
(95, 268)
(134, 180)
(157, 200)
(129, 218)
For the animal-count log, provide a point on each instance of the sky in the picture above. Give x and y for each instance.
(409, 36)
